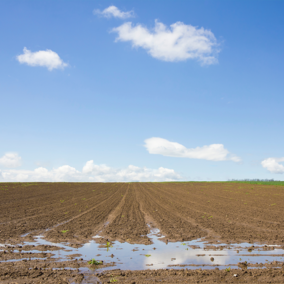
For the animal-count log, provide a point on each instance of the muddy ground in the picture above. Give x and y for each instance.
(75, 212)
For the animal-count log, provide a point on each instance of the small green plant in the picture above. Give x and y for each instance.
(62, 201)
(112, 280)
(273, 204)
(108, 245)
(95, 262)
(210, 217)
(183, 244)
(122, 216)
(147, 255)
(228, 269)
(64, 231)
(83, 198)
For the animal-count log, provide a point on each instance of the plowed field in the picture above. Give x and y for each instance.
(75, 212)
(182, 211)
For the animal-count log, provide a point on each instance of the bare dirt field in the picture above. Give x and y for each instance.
(74, 213)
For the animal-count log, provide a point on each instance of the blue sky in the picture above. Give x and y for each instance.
(111, 87)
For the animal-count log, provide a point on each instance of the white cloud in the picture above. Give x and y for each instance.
(273, 165)
(44, 58)
(177, 43)
(92, 173)
(113, 11)
(213, 152)
(10, 160)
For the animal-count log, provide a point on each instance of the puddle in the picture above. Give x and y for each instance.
(159, 255)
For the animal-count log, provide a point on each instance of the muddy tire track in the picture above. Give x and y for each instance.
(129, 224)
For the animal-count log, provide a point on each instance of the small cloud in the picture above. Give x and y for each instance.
(44, 58)
(273, 165)
(11, 160)
(180, 42)
(213, 152)
(113, 11)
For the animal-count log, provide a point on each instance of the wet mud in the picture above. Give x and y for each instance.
(68, 216)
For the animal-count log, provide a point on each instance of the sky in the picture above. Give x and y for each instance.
(141, 90)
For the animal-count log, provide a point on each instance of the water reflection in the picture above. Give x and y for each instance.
(160, 254)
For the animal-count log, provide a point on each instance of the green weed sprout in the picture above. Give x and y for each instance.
(112, 280)
(147, 255)
(228, 269)
(108, 245)
(64, 231)
(95, 262)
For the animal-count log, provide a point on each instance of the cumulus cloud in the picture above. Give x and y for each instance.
(213, 152)
(273, 165)
(44, 58)
(90, 172)
(113, 11)
(10, 160)
(177, 43)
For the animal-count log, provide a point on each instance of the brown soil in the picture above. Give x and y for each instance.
(74, 212)
(194, 276)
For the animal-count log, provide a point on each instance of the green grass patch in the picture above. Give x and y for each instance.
(276, 183)
(94, 262)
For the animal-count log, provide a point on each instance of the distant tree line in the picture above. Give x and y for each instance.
(255, 179)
